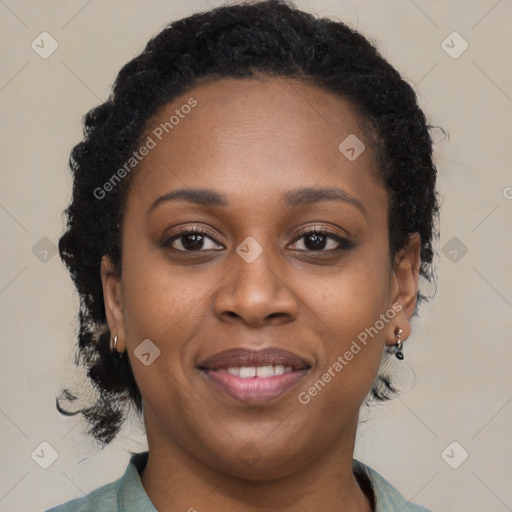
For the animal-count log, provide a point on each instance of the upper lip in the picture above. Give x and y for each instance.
(247, 357)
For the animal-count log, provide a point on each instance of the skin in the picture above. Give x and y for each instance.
(253, 140)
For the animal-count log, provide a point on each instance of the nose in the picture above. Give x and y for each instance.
(255, 293)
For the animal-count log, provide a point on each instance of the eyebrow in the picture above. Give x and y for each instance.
(293, 198)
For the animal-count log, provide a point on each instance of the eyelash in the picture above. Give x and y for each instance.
(344, 243)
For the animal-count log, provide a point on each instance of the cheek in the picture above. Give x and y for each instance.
(162, 305)
(160, 302)
(357, 291)
(353, 309)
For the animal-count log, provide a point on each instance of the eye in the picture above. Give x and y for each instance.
(320, 240)
(191, 239)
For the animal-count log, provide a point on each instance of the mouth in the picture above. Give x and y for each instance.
(254, 376)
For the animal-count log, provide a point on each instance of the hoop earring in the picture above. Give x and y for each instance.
(113, 344)
(398, 345)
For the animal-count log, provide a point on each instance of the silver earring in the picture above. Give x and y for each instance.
(398, 345)
(113, 344)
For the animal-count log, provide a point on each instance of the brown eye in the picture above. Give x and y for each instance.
(315, 240)
(323, 241)
(191, 240)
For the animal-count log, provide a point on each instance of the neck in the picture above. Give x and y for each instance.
(176, 480)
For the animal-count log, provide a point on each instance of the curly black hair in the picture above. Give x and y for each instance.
(268, 38)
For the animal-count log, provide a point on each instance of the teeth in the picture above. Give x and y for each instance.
(264, 371)
(248, 372)
(278, 369)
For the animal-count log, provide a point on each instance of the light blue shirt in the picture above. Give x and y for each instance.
(128, 495)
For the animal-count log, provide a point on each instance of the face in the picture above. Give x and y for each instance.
(287, 270)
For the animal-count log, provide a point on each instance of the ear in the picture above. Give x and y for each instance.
(113, 298)
(404, 286)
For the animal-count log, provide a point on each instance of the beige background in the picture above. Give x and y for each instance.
(456, 375)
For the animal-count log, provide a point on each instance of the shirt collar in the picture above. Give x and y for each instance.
(132, 495)
(387, 498)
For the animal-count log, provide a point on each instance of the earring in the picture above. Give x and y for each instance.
(398, 345)
(113, 344)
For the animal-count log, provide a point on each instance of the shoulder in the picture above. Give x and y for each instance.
(103, 498)
(124, 495)
(387, 498)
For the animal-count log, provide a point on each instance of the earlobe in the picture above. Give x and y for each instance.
(113, 298)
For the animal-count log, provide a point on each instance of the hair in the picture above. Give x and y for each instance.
(269, 38)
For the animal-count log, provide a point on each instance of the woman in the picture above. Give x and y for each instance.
(252, 210)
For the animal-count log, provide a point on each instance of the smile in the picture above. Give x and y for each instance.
(254, 376)
(248, 372)
(254, 389)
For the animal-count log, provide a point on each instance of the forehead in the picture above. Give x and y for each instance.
(252, 137)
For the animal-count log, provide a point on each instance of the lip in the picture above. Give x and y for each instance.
(247, 357)
(254, 389)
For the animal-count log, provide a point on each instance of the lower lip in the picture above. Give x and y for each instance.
(255, 389)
